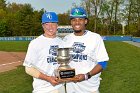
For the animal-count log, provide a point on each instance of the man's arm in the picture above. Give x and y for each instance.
(97, 69)
(37, 74)
(32, 72)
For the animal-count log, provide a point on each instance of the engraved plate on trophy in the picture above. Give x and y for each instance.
(64, 71)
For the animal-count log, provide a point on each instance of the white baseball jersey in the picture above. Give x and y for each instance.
(41, 55)
(88, 50)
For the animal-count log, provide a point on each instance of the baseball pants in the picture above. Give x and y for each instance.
(60, 90)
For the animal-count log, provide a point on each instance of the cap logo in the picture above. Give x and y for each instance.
(77, 12)
(49, 16)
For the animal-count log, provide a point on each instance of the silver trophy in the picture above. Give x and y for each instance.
(64, 71)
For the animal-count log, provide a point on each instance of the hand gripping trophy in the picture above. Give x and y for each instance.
(64, 72)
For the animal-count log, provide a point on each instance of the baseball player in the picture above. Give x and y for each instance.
(40, 60)
(89, 56)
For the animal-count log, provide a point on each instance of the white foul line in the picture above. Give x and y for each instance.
(9, 63)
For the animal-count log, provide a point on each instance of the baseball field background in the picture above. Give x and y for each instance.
(121, 76)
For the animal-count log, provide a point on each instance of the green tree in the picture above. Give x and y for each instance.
(23, 19)
(36, 28)
(2, 4)
(63, 19)
(4, 28)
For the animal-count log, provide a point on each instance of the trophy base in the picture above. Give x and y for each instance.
(65, 75)
(67, 79)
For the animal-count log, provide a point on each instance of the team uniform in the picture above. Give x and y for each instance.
(88, 50)
(41, 55)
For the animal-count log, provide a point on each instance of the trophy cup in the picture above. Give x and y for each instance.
(64, 72)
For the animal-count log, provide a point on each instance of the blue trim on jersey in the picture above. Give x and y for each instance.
(103, 64)
(85, 32)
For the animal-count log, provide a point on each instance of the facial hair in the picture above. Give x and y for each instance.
(77, 31)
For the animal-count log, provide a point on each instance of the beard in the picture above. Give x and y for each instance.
(77, 31)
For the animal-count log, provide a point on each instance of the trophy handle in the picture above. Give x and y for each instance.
(55, 58)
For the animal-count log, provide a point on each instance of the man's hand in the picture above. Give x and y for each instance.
(78, 78)
(53, 80)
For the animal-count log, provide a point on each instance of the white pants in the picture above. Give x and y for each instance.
(59, 90)
(62, 90)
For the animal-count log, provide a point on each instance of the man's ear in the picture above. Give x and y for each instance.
(70, 21)
(42, 26)
(86, 21)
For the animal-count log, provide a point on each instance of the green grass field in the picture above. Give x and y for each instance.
(123, 72)
(14, 46)
(121, 76)
(15, 81)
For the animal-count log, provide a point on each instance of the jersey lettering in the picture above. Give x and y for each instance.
(53, 54)
(77, 55)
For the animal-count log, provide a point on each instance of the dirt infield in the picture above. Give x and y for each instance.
(10, 60)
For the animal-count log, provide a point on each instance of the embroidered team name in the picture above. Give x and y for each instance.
(78, 48)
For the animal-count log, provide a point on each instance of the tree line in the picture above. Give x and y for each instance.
(106, 17)
(114, 17)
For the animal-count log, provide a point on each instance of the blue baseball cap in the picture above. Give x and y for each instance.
(48, 17)
(78, 12)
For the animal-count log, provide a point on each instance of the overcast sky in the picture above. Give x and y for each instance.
(58, 6)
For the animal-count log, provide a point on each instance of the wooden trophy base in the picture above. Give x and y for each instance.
(67, 79)
(65, 75)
